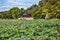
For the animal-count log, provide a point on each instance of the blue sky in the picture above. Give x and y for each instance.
(8, 4)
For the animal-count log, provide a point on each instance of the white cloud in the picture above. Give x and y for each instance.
(13, 2)
(3, 6)
(16, 3)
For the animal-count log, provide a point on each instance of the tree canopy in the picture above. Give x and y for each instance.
(13, 13)
(46, 9)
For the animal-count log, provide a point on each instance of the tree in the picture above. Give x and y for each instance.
(42, 3)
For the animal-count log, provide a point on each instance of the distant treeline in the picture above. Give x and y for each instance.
(46, 9)
(13, 13)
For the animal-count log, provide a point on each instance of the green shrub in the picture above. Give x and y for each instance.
(29, 29)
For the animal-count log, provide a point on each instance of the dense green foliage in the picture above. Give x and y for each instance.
(28, 30)
(45, 8)
(13, 13)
